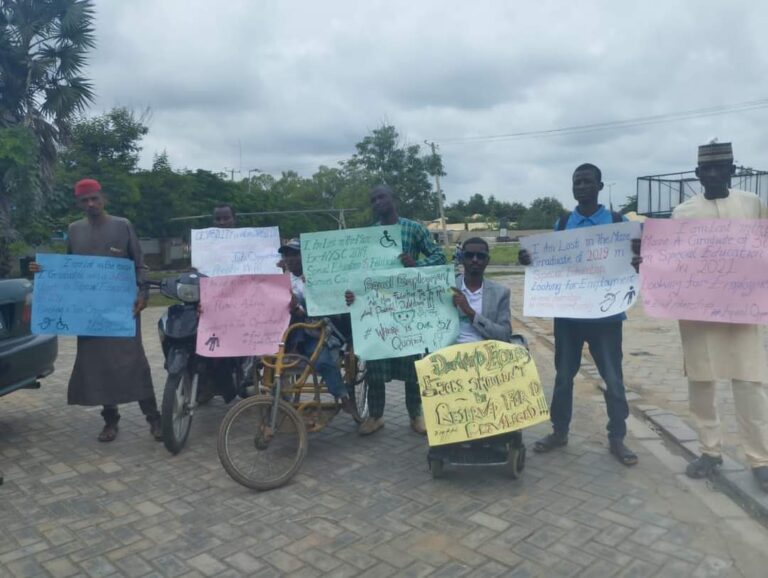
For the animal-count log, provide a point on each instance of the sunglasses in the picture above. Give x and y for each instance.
(481, 256)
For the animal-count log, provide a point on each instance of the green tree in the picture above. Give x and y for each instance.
(629, 205)
(43, 49)
(106, 148)
(19, 156)
(542, 214)
(477, 205)
(382, 158)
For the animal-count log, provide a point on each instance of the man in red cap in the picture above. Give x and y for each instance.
(110, 370)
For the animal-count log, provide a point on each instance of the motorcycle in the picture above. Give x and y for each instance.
(192, 378)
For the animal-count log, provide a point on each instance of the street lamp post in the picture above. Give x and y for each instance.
(249, 178)
(610, 201)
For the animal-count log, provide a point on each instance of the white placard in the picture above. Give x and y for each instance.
(244, 251)
(583, 273)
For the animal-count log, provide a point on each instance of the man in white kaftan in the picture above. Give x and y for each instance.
(729, 351)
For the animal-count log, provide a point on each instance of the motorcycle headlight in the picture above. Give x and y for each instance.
(188, 293)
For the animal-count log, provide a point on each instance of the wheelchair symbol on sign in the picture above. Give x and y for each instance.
(387, 241)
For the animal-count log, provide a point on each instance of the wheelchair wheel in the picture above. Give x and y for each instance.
(516, 461)
(436, 467)
(254, 455)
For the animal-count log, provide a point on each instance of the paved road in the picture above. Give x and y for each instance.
(360, 506)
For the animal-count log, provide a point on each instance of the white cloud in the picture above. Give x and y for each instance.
(296, 84)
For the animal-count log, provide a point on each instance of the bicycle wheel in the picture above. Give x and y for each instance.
(357, 387)
(251, 453)
(177, 409)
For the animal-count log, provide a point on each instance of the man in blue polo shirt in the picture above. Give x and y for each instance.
(602, 335)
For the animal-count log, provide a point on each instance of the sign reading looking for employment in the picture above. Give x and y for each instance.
(243, 315)
(404, 312)
(245, 251)
(480, 389)
(334, 261)
(583, 273)
(706, 270)
(84, 295)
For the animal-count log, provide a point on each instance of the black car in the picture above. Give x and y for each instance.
(24, 358)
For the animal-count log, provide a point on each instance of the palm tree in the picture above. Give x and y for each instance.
(43, 49)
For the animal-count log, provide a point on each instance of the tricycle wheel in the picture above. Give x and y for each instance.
(437, 467)
(254, 454)
(177, 408)
(516, 461)
(357, 386)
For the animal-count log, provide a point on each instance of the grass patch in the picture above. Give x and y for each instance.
(505, 254)
(503, 273)
(159, 300)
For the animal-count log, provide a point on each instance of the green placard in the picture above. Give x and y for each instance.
(334, 261)
(404, 312)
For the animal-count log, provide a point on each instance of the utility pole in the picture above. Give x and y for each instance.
(249, 177)
(231, 173)
(443, 228)
(610, 200)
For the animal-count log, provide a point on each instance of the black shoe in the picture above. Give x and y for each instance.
(703, 466)
(622, 453)
(550, 442)
(761, 475)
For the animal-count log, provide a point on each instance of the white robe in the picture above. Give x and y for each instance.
(723, 350)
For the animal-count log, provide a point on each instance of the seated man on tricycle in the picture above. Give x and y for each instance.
(304, 341)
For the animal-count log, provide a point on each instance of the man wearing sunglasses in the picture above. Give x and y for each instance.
(483, 304)
(602, 335)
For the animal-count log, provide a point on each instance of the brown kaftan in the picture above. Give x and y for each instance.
(109, 370)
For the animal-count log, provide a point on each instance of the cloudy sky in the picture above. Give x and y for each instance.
(295, 84)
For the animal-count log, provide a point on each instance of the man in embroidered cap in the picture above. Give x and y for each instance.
(729, 351)
(110, 370)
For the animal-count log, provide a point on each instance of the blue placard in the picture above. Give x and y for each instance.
(83, 295)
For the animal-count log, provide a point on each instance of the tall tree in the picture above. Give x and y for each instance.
(19, 172)
(106, 148)
(542, 214)
(43, 49)
(382, 158)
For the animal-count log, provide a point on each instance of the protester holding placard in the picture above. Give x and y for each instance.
(603, 335)
(483, 304)
(110, 370)
(415, 240)
(224, 216)
(730, 351)
(327, 363)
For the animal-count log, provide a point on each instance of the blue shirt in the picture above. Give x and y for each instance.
(600, 217)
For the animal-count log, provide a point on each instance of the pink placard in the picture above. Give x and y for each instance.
(706, 270)
(242, 315)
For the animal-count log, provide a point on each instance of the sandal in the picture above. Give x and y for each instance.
(156, 429)
(109, 433)
(622, 453)
(550, 442)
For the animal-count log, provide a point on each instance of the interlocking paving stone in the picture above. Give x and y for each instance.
(359, 506)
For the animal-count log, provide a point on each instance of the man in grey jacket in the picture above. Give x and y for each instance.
(483, 304)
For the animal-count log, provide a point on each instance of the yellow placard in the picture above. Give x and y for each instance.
(481, 389)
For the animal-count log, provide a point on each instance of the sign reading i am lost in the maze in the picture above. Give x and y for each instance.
(404, 312)
(581, 273)
(334, 261)
(477, 390)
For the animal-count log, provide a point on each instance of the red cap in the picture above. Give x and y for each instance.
(87, 187)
